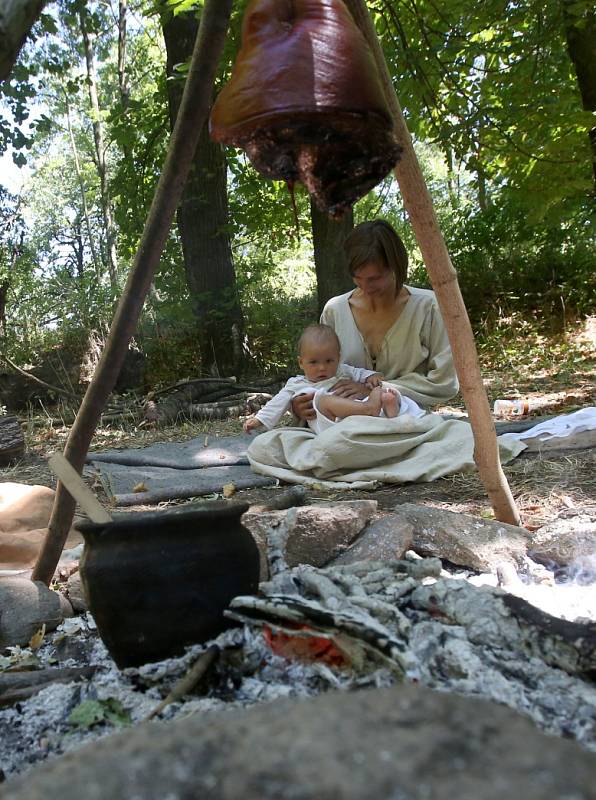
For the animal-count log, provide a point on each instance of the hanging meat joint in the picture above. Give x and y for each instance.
(306, 103)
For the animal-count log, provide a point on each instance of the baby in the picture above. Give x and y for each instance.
(318, 357)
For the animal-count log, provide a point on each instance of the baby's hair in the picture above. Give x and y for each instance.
(318, 334)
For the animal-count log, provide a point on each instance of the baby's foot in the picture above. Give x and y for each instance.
(391, 402)
(374, 402)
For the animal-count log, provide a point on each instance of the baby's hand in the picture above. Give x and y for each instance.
(374, 380)
(251, 424)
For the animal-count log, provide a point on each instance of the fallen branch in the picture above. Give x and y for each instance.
(174, 407)
(18, 686)
(30, 376)
(187, 683)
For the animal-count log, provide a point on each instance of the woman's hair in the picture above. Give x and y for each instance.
(376, 242)
(318, 335)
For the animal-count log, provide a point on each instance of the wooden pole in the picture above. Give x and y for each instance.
(418, 203)
(183, 142)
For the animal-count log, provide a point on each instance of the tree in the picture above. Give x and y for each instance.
(17, 17)
(580, 33)
(203, 224)
(330, 261)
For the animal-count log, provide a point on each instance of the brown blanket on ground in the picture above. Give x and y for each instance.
(24, 516)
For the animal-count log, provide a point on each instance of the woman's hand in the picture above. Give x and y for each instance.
(351, 389)
(302, 406)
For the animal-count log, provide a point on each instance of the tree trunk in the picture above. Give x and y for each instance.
(17, 17)
(580, 32)
(193, 113)
(203, 226)
(81, 182)
(419, 206)
(100, 150)
(12, 441)
(123, 86)
(330, 259)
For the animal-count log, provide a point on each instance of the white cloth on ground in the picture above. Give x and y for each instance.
(415, 355)
(559, 427)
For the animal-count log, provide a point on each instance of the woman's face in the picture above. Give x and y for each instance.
(374, 279)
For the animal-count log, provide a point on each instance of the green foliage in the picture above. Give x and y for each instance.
(503, 260)
(279, 300)
(491, 98)
(90, 713)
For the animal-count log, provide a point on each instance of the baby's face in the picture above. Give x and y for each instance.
(319, 361)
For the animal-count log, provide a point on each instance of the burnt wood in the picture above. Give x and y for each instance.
(12, 441)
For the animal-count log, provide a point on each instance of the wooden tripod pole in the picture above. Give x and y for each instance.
(419, 205)
(183, 143)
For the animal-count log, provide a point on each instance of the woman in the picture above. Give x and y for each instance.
(386, 326)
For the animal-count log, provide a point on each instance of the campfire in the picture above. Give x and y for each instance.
(342, 627)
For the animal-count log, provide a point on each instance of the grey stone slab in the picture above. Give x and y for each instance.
(404, 743)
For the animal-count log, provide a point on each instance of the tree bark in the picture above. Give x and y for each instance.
(580, 33)
(17, 17)
(192, 115)
(203, 225)
(123, 86)
(419, 205)
(12, 441)
(330, 259)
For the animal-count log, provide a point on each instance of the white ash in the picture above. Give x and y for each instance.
(379, 614)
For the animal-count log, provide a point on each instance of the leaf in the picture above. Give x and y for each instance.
(36, 640)
(93, 712)
(87, 714)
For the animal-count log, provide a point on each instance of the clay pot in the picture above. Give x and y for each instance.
(159, 581)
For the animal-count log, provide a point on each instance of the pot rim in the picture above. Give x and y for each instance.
(217, 509)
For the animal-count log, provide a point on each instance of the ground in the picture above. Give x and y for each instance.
(555, 372)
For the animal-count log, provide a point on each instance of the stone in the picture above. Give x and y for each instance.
(75, 593)
(320, 534)
(403, 743)
(464, 540)
(569, 539)
(386, 538)
(27, 605)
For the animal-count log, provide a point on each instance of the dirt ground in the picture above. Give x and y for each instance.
(557, 376)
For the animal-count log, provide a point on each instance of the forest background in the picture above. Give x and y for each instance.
(499, 98)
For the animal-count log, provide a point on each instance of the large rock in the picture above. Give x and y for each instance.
(27, 605)
(320, 534)
(384, 539)
(76, 593)
(464, 540)
(571, 539)
(405, 743)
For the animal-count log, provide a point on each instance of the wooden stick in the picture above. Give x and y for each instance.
(183, 143)
(187, 683)
(419, 205)
(75, 486)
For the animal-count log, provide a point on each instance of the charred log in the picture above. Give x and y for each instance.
(12, 441)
